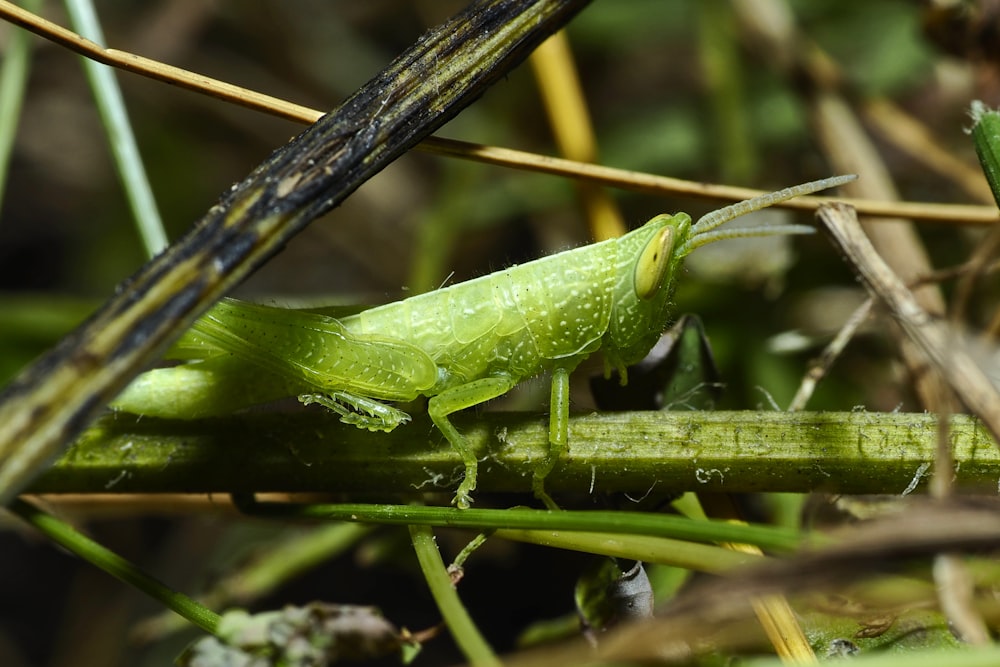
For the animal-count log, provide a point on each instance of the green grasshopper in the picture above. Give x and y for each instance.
(460, 346)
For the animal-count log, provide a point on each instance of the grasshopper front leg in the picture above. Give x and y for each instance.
(558, 431)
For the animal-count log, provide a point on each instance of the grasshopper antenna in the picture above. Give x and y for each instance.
(702, 231)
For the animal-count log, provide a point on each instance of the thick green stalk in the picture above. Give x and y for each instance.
(634, 452)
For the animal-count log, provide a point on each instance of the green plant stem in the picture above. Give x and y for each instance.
(124, 148)
(470, 548)
(721, 65)
(92, 552)
(986, 138)
(14, 68)
(519, 518)
(660, 550)
(633, 452)
(261, 576)
(462, 628)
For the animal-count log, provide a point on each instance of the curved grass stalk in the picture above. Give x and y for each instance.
(92, 552)
(13, 82)
(519, 518)
(111, 107)
(461, 625)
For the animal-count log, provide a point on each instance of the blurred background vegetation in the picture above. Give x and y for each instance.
(685, 89)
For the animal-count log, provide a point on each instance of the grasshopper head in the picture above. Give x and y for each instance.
(649, 260)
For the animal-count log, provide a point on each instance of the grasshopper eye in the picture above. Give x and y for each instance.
(653, 263)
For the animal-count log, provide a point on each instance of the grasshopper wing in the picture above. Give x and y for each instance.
(318, 351)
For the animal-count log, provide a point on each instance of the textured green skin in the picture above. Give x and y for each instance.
(518, 322)
(461, 345)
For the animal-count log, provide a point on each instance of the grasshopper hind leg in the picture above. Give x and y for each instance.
(360, 411)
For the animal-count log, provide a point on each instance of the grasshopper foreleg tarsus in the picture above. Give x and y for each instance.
(459, 398)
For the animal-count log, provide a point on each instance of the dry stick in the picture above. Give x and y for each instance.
(904, 254)
(849, 149)
(938, 343)
(849, 146)
(154, 69)
(621, 178)
(820, 366)
(446, 69)
(635, 181)
(978, 265)
(956, 593)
